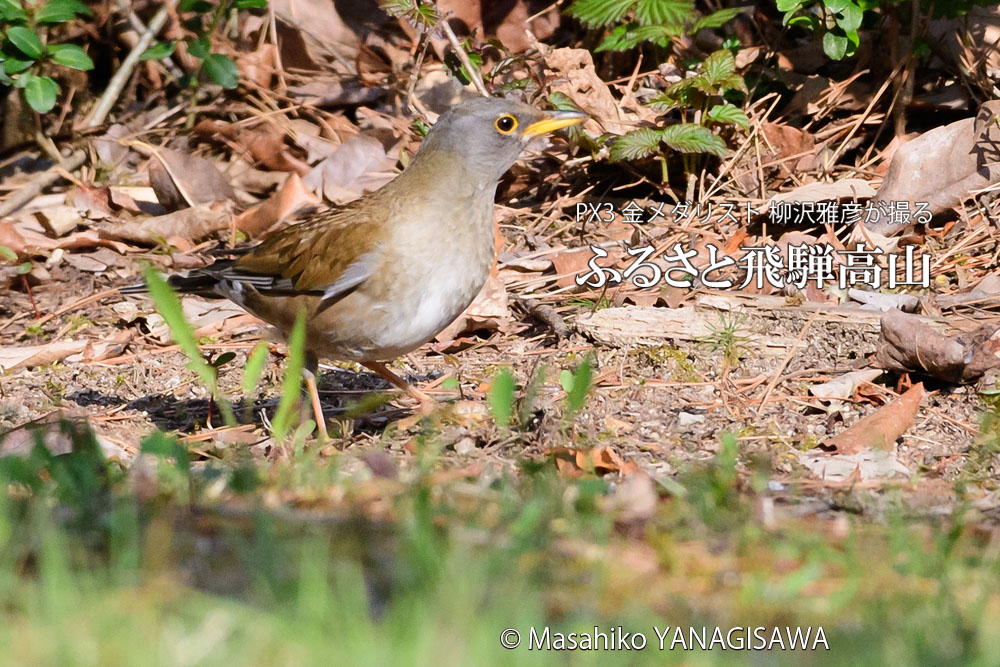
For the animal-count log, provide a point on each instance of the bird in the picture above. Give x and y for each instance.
(382, 275)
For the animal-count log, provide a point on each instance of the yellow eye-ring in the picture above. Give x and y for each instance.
(505, 124)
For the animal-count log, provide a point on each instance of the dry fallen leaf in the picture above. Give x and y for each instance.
(182, 180)
(908, 343)
(943, 166)
(575, 462)
(289, 199)
(882, 428)
(360, 165)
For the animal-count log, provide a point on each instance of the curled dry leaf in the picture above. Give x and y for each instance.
(882, 428)
(181, 180)
(942, 167)
(291, 198)
(575, 76)
(575, 462)
(843, 387)
(908, 343)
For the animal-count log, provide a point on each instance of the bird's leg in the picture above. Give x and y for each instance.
(309, 372)
(426, 402)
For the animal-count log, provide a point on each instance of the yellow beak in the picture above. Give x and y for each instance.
(555, 120)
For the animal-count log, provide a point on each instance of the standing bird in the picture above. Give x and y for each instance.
(384, 274)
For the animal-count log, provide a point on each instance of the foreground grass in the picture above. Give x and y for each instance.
(296, 563)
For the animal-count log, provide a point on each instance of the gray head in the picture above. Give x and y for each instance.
(487, 134)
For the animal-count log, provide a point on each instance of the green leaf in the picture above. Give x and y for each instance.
(789, 6)
(71, 55)
(727, 113)
(502, 398)
(222, 70)
(692, 138)
(809, 20)
(660, 12)
(836, 6)
(835, 46)
(627, 37)
(26, 41)
(200, 48)
(40, 93)
(718, 67)
(24, 268)
(59, 11)
(599, 13)
(576, 395)
(197, 6)
(716, 19)
(636, 145)
(250, 4)
(8, 253)
(850, 19)
(14, 65)
(11, 12)
(159, 51)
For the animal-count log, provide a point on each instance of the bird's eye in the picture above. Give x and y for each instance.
(505, 124)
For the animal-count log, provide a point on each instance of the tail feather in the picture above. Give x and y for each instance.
(203, 282)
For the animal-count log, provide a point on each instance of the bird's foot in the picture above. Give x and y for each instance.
(427, 404)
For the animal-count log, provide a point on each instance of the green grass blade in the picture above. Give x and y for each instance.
(169, 307)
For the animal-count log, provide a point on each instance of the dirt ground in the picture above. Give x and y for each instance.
(659, 406)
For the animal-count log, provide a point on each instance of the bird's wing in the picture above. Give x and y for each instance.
(326, 256)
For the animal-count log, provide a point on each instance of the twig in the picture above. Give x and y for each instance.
(121, 77)
(35, 187)
(784, 362)
(474, 74)
(140, 28)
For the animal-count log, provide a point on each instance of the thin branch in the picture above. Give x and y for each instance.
(35, 187)
(474, 74)
(117, 84)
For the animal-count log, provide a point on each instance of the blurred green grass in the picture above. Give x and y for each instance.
(198, 565)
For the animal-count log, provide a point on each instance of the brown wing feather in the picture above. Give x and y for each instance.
(315, 253)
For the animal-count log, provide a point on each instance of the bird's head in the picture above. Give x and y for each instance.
(485, 135)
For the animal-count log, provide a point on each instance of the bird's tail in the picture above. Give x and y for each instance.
(203, 282)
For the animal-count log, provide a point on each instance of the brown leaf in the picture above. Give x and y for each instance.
(882, 428)
(908, 343)
(361, 164)
(181, 180)
(508, 21)
(575, 462)
(194, 224)
(292, 197)
(13, 239)
(258, 66)
(28, 356)
(575, 76)
(943, 166)
(263, 144)
(788, 141)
